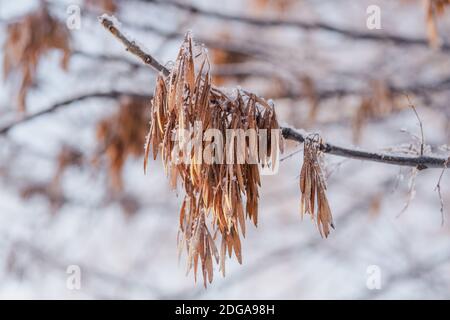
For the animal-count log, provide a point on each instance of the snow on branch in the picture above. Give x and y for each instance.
(421, 162)
(112, 26)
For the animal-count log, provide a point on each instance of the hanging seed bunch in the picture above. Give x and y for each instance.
(122, 135)
(434, 8)
(218, 196)
(223, 57)
(379, 103)
(28, 40)
(313, 187)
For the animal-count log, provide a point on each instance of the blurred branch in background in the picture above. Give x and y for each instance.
(421, 162)
(56, 106)
(306, 26)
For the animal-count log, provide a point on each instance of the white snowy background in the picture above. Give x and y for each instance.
(123, 256)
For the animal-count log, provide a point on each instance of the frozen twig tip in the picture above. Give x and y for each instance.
(111, 25)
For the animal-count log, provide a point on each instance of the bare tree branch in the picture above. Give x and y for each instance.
(421, 162)
(134, 48)
(439, 191)
(320, 26)
(110, 94)
(276, 22)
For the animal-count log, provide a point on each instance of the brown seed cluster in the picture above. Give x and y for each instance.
(225, 57)
(434, 8)
(313, 187)
(218, 196)
(122, 135)
(279, 6)
(379, 103)
(27, 41)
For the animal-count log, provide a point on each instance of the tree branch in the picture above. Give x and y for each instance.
(320, 26)
(255, 70)
(111, 94)
(421, 162)
(132, 47)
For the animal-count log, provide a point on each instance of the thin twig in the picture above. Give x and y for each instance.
(110, 94)
(290, 155)
(412, 182)
(411, 191)
(421, 162)
(438, 189)
(274, 22)
(422, 139)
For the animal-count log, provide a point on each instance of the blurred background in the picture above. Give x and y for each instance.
(74, 111)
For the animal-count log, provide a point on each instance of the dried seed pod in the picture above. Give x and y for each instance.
(27, 41)
(434, 8)
(313, 188)
(215, 192)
